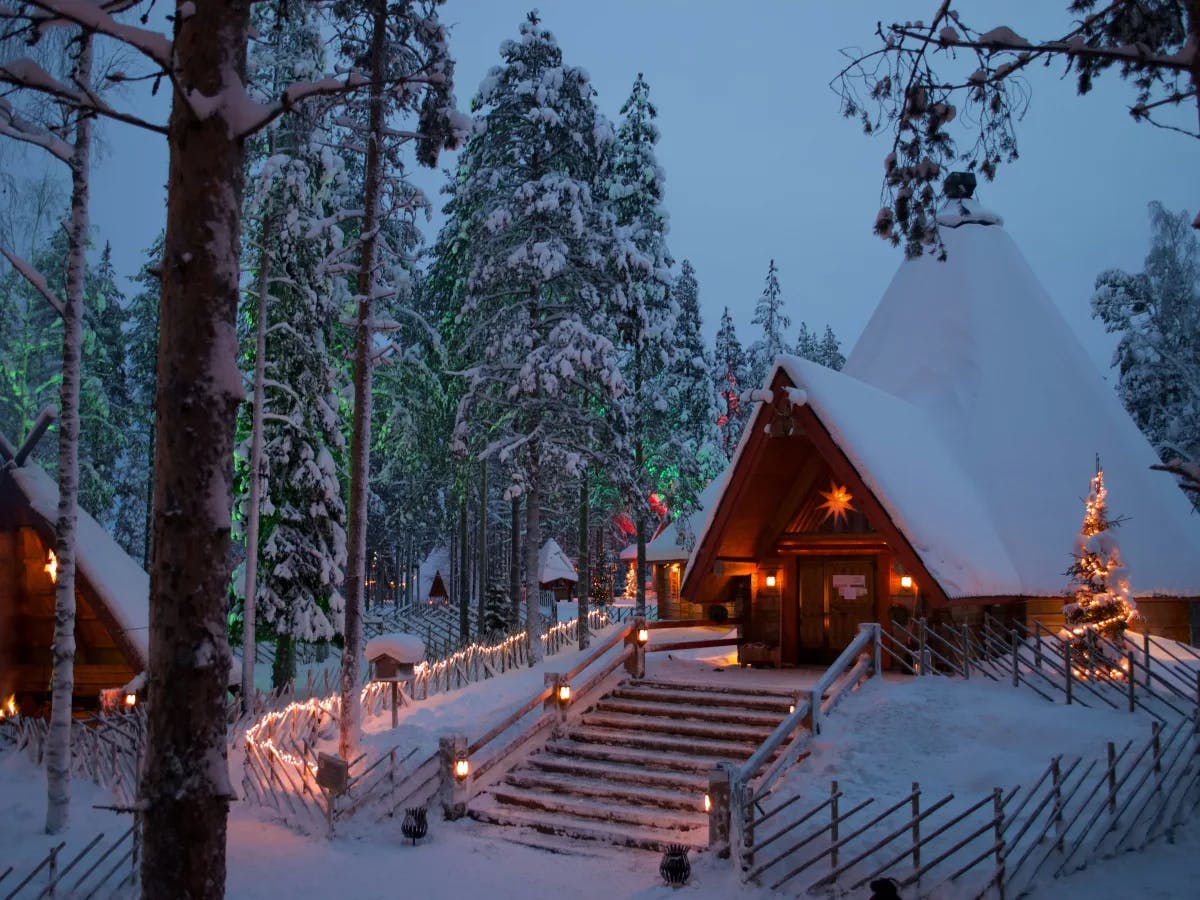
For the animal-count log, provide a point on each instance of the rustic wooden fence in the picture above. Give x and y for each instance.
(98, 870)
(280, 745)
(106, 749)
(1077, 811)
(1043, 661)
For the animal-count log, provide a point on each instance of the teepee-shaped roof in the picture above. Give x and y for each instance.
(974, 417)
(977, 344)
(553, 564)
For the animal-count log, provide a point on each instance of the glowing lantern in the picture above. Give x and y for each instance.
(564, 693)
(707, 803)
(462, 768)
(131, 699)
(771, 581)
(643, 635)
(906, 582)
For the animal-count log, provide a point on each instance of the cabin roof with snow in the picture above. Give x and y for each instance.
(112, 594)
(553, 565)
(970, 417)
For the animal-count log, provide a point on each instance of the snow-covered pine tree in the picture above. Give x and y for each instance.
(693, 404)
(829, 351)
(539, 294)
(807, 346)
(648, 319)
(772, 318)
(1156, 312)
(404, 54)
(298, 187)
(1101, 606)
(731, 378)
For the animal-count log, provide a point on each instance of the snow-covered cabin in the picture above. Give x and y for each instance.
(943, 469)
(666, 557)
(111, 595)
(556, 573)
(431, 584)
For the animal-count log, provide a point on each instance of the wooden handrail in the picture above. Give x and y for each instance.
(693, 645)
(598, 652)
(511, 720)
(693, 623)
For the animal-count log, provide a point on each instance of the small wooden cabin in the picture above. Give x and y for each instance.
(942, 471)
(556, 573)
(111, 596)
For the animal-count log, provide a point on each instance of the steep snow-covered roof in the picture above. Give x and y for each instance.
(977, 344)
(665, 547)
(437, 561)
(553, 564)
(974, 415)
(118, 581)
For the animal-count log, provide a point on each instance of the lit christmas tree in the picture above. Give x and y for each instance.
(1102, 605)
(631, 580)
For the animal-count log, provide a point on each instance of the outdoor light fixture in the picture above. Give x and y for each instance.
(130, 699)
(51, 567)
(906, 581)
(564, 693)
(791, 709)
(707, 803)
(643, 635)
(462, 768)
(770, 581)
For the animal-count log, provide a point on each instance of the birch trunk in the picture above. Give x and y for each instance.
(185, 787)
(533, 524)
(256, 437)
(62, 686)
(350, 712)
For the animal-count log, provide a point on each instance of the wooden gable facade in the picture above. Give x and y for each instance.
(105, 656)
(799, 546)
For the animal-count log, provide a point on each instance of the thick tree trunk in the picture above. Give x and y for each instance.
(585, 567)
(256, 439)
(640, 524)
(350, 711)
(514, 562)
(533, 525)
(185, 787)
(62, 685)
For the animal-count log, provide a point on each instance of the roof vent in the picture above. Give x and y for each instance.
(959, 185)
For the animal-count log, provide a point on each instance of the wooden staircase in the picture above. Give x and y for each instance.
(633, 770)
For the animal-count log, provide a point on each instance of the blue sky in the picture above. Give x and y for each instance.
(760, 164)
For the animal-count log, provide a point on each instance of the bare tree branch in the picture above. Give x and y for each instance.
(35, 279)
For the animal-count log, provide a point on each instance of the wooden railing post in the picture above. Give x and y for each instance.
(742, 802)
(966, 645)
(998, 811)
(1146, 655)
(1069, 669)
(921, 658)
(1016, 659)
(453, 789)
(720, 783)
(1130, 676)
(833, 824)
(1058, 804)
(635, 664)
(814, 709)
(916, 826)
(877, 662)
(555, 703)
(1112, 778)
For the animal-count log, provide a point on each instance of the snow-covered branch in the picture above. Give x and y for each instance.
(35, 279)
(13, 126)
(26, 74)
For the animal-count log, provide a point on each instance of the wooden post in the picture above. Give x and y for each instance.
(1056, 774)
(966, 641)
(743, 795)
(453, 790)
(1037, 651)
(1146, 656)
(998, 810)
(916, 825)
(50, 891)
(1130, 677)
(1157, 743)
(1016, 660)
(555, 682)
(1112, 779)
(635, 665)
(395, 704)
(877, 662)
(1070, 675)
(833, 823)
(719, 793)
(921, 642)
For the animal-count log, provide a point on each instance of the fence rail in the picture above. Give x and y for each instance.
(98, 870)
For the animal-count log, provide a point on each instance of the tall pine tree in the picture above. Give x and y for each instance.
(731, 376)
(772, 318)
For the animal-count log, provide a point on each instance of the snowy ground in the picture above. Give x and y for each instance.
(948, 735)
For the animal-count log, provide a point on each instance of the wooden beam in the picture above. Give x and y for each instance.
(44, 420)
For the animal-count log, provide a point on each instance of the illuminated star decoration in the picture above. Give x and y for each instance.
(837, 502)
(51, 567)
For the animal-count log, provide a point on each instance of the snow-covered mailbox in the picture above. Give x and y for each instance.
(393, 658)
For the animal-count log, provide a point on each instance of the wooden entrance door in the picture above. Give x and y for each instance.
(836, 594)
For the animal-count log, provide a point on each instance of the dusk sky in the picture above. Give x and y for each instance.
(760, 164)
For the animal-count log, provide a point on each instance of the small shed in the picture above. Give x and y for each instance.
(556, 573)
(111, 594)
(394, 656)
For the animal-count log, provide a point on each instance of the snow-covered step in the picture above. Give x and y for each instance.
(712, 689)
(730, 715)
(714, 731)
(691, 746)
(487, 809)
(573, 765)
(772, 703)
(597, 809)
(625, 756)
(658, 796)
